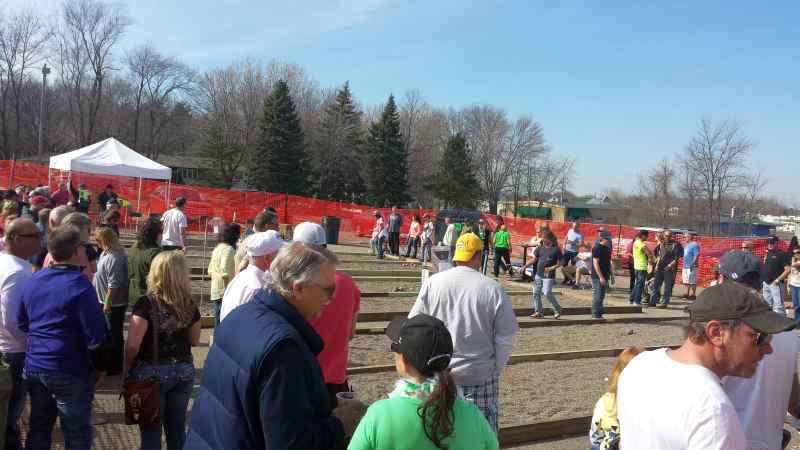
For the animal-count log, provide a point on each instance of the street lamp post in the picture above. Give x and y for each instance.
(45, 72)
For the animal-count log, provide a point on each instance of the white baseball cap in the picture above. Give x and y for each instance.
(266, 243)
(309, 233)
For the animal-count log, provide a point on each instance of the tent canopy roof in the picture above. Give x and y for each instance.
(110, 157)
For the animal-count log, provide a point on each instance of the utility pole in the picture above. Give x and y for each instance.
(45, 72)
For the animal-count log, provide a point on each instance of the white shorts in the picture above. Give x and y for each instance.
(690, 276)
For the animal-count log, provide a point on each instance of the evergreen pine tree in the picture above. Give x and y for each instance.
(455, 182)
(215, 148)
(280, 163)
(338, 147)
(384, 164)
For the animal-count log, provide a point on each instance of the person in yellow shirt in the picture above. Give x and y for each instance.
(604, 431)
(641, 257)
(222, 266)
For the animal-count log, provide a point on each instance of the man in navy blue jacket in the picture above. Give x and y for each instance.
(262, 385)
(60, 312)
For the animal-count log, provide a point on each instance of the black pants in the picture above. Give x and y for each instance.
(117, 321)
(394, 242)
(500, 255)
(631, 273)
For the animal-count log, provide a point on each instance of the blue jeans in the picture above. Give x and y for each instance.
(217, 304)
(598, 295)
(16, 402)
(668, 279)
(773, 295)
(426, 250)
(544, 284)
(796, 302)
(377, 244)
(56, 394)
(175, 389)
(638, 287)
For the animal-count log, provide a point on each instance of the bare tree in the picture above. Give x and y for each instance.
(547, 176)
(753, 185)
(656, 187)
(499, 147)
(23, 40)
(88, 32)
(715, 158)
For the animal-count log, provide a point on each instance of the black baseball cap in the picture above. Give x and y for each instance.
(423, 340)
(734, 301)
(773, 239)
(735, 264)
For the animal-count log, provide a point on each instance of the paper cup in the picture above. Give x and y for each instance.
(345, 396)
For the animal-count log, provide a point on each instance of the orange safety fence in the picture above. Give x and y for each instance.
(356, 221)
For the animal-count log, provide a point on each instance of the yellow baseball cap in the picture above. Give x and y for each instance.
(466, 246)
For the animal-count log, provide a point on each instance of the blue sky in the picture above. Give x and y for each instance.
(616, 85)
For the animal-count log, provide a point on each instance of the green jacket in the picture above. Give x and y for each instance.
(139, 260)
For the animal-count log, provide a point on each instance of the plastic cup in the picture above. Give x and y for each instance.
(345, 395)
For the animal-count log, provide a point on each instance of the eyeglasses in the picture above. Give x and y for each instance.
(762, 339)
(329, 290)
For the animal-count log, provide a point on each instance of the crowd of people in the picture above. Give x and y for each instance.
(276, 371)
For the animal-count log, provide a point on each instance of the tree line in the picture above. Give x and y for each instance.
(710, 180)
(263, 126)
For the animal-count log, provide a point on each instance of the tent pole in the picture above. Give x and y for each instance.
(139, 197)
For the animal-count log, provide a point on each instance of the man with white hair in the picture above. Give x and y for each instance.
(261, 250)
(266, 390)
(336, 325)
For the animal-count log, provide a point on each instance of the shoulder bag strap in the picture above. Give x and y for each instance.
(154, 318)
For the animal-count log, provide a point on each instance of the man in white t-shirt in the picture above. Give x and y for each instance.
(673, 399)
(572, 241)
(21, 242)
(763, 400)
(261, 250)
(175, 224)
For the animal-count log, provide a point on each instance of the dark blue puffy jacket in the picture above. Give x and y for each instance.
(262, 386)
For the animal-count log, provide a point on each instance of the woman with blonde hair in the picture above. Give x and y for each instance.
(168, 310)
(111, 285)
(604, 432)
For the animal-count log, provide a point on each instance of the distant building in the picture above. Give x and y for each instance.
(596, 210)
(186, 169)
(739, 226)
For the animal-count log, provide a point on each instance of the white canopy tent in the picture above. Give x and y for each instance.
(112, 157)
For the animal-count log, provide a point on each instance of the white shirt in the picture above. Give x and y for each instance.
(449, 238)
(480, 318)
(584, 261)
(174, 220)
(666, 405)
(242, 289)
(762, 401)
(576, 238)
(14, 272)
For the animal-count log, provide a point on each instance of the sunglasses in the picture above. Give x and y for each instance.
(30, 235)
(762, 339)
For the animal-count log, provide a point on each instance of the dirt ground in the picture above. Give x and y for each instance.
(529, 392)
(382, 304)
(368, 350)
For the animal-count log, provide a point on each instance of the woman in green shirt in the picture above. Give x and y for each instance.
(426, 409)
(502, 251)
(148, 237)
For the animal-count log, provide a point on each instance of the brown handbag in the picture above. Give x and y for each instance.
(142, 397)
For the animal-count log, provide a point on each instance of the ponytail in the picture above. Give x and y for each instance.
(437, 411)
